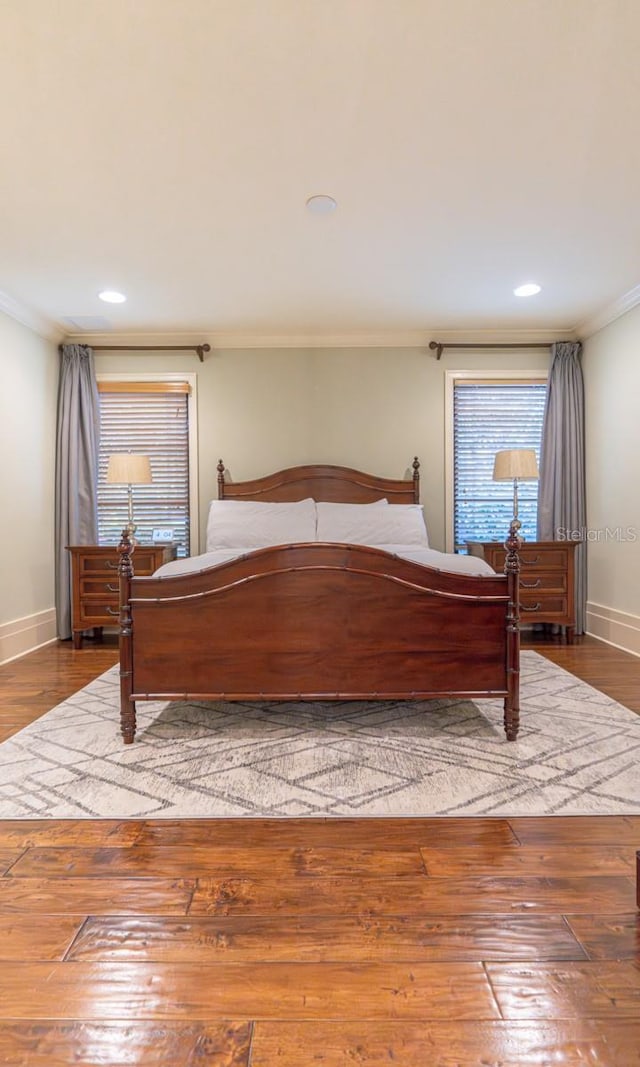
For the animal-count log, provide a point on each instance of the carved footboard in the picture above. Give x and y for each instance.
(318, 621)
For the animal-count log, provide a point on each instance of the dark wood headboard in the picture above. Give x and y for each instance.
(340, 485)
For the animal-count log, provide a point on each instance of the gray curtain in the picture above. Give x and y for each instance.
(561, 493)
(77, 442)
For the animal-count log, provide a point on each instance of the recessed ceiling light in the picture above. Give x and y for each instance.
(111, 297)
(321, 204)
(530, 289)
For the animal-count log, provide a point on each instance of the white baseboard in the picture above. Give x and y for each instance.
(617, 628)
(25, 635)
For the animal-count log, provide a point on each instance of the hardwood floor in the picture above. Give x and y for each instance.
(297, 943)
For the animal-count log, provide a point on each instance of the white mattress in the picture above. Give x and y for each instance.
(428, 557)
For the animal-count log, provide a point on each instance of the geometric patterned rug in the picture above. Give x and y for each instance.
(578, 753)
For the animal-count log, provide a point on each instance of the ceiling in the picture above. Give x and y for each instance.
(166, 148)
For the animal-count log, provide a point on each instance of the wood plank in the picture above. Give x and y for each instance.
(245, 991)
(18, 712)
(338, 938)
(570, 1042)
(167, 861)
(395, 834)
(95, 896)
(412, 896)
(567, 990)
(25, 833)
(37, 937)
(9, 856)
(608, 937)
(573, 830)
(48, 1043)
(9, 730)
(525, 861)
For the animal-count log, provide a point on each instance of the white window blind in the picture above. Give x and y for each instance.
(150, 418)
(489, 417)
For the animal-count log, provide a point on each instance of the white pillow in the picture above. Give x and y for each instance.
(369, 524)
(258, 524)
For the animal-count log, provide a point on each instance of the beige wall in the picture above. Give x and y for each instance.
(371, 408)
(29, 368)
(611, 362)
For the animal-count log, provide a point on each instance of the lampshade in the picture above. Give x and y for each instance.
(515, 463)
(127, 468)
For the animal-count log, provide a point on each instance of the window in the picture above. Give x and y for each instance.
(151, 418)
(490, 415)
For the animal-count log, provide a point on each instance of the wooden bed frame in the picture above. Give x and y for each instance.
(319, 621)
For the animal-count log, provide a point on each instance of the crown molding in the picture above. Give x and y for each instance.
(52, 331)
(30, 318)
(371, 339)
(503, 336)
(609, 314)
(223, 339)
(356, 339)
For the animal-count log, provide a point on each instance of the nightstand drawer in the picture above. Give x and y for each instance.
(145, 561)
(543, 583)
(105, 563)
(549, 559)
(101, 586)
(97, 613)
(543, 605)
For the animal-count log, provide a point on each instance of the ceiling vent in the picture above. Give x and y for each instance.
(87, 323)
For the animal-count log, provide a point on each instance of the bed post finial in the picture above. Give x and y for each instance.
(125, 574)
(220, 469)
(416, 479)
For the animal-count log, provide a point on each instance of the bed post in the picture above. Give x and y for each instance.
(127, 705)
(416, 480)
(512, 570)
(220, 469)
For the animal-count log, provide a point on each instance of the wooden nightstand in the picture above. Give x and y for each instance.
(94, 573)
(547, 591)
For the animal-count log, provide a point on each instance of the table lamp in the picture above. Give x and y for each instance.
(516, 464)
(128, 468)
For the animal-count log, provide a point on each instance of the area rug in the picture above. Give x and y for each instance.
(577, 754)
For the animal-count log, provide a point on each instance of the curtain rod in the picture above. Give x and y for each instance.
(200, 349)
(439, 346)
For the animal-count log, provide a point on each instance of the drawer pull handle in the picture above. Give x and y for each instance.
(111, 611)
(529, 562)
(523, 585)
(523, 607)
(110, 565)
(114, 588)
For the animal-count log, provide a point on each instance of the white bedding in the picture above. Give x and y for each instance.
(428, 557)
